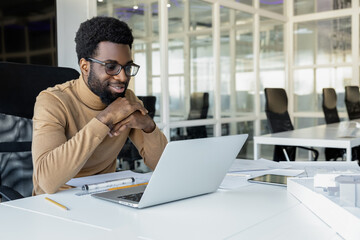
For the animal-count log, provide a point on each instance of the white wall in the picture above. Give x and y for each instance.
(69, 15)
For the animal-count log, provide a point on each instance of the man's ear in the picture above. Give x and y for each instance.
(84, 67)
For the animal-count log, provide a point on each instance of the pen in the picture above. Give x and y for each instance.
(107, 184)
(56, 203)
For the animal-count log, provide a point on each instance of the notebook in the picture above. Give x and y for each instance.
(187, 168)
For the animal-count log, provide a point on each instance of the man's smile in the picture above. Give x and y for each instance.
(117, 88)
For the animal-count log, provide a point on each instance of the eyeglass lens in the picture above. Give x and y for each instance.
(114, 69)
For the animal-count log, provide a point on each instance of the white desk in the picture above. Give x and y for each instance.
(250, 212)
(318, 136)
(24, 224)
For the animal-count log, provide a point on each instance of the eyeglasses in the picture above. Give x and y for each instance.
(114, 68)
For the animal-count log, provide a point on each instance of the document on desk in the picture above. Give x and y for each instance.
(78, 182)
(242, 170)
(108, 177)
(241, 165)
(233, 181)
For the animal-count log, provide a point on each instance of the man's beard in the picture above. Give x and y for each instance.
(101, 89)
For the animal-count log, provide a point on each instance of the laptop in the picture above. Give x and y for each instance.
(187, 168)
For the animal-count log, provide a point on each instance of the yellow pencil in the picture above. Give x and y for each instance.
(56, 203)
(128, 186)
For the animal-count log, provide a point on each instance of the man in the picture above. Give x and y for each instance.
(79, 127)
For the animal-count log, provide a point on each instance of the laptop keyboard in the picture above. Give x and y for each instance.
(133, 197)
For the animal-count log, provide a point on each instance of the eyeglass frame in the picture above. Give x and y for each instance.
(121, 66)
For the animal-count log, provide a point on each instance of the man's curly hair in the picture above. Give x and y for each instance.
(99, 29)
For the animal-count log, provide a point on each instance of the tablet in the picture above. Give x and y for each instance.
(273, 179)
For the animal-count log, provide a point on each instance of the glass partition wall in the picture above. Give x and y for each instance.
(323, 56)
(221, 54)
(324, 53)
(215, 53)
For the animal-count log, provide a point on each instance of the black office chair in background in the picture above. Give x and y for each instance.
(352, 102)
(329, 101)
(129, 152)
(149, 103)
(19, 86)
(199, 107)
(276, 104)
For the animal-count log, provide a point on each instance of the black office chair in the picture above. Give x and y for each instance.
(279, 121)
(19, 86)
(352, 102)
(329, 101)
(149, 103)
(129, 152)
(199, 107)
(15, 157)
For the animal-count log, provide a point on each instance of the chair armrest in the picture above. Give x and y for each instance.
(316, 152)
(9, 194)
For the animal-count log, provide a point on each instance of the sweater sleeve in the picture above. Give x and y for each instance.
(56, 158)
(150, 145)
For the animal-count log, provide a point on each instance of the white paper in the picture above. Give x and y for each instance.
(232, 181)
(108, 184)
(254, 168)
(273, 164)
(240, 165)
(286, 172)
(139, 177)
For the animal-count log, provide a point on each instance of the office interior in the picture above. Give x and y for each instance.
(225, 51)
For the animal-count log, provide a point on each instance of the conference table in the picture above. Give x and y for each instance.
(345, 135)
(253, 211)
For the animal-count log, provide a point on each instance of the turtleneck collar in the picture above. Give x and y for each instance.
(89, 98)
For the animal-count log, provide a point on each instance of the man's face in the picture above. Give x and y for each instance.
(108, 87)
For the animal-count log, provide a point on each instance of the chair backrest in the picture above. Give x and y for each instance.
(199, 107)
(352, 101)
(149, 104)
(21, 83)
(19, 86)
(329, 100)
(276, 103)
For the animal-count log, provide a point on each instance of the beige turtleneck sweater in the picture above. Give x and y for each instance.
(69, 141)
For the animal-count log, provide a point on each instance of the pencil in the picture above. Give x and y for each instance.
(56, 203)
(128, 186)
